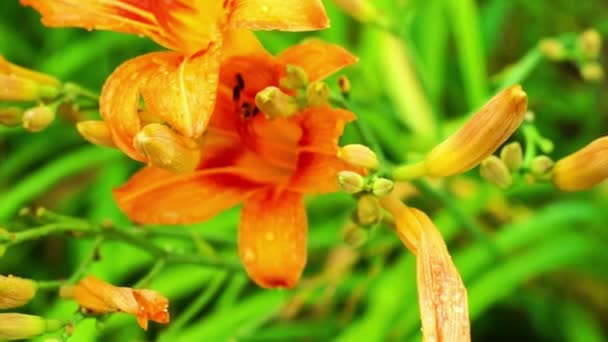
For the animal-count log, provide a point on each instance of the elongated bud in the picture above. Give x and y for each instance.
(369, 211)
(15, 291)
(592, 71)
(512, 155)
(359, 155)
(355, 235)
(96, 132)
(295, 77)
(552, 49)
(166, 149)
(489, 128)
(15, 326)
(351, 182)
(276, 104)
(583, 169)
(11, 116)
(541, 166)
(38, 118)
(590, 44)
(13, 88)
(8, 68)
(362, 10)
(382, 187)
(317, 94)
(344, 85)
(494, 170)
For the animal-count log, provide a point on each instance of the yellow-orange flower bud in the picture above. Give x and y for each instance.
(592, 71)
(354, 235)
(359, 155)
(552, 48)
(7, 68)
(295, 77)
(351, 182)
(494, 170)
(317, 94)
(16, 326)
(382, 187)
(96, 132)
(512, 155)
(276, 104)
(13, 88)
(584, 168)
(38, 118)
(15, 291)
(10, 116)
(541, 166)
(369, 211)
(483, 134)
(164, 148)
(590, 44)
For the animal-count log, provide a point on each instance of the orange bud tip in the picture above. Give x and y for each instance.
(15, 291)
(95, 132)
(359, 155)
(165, 148)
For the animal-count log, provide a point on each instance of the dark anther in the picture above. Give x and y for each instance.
(246, 109)
(256, 111)
(236, 93)
(240, 81)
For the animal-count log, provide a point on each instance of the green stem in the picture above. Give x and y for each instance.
(50, 285)
(409, 172)
(519, 71)
(158, 267)
(530, 138)
(87, 262)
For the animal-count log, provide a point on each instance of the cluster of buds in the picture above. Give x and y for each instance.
(18, 84)
(583, 50)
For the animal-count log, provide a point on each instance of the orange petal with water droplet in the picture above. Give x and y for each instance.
(284, 15)
(318, 58)
(272, 238)
(183, 90)
(156, 196)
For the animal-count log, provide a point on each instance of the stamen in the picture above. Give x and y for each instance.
(236, 93)
(240, 81)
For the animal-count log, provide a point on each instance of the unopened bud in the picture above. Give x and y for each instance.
(489, 128)
(15, 326)
(344, 85)
(355, 235)
(166, 149)
(552, 49)
(317, 94)
(541, 166)
(11, 116)
(382, 187)
(351, 182)
(15, 291)
(38, 118)
(592, 71)
(276, 104)
(584, 168)
(361, 10)
(590, 44)
(96, 132)
(369, 210)
(295, 77)
(494, 170)
(512, 155)
(13, 88)
(359, 155)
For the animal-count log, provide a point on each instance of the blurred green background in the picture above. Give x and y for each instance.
(541, 273)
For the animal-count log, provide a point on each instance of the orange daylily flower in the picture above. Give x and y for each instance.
(267, 164)
(442, 295)
(99, 297)
(178, 87)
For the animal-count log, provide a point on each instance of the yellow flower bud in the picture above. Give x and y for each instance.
(8, 68)
(276, 104)
(494, 170)
(295, 77)
(15, 326)
(489, 128)
(15, 291)
(512, 155)
(359, 155)
(590, 44)
(369, 211)
(166, 149)
(382, 187)
(355, 235)
(541, 166)
(592, 71)
(10, 116)
(351, 182)
(361, 10)
(38, 118)
(317, 94)
(96, 132)
(584, 168)
(552, 49)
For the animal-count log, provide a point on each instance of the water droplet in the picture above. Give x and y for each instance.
(248, 256)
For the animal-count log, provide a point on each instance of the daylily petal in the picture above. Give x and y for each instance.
(285, 15)
(241, 42)
(128, 16)
(272, 238)
(317, 173)
(120, 97)
(182, 90)
(157, 196)
(318, 58)
(322, 128)
(441, 292)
